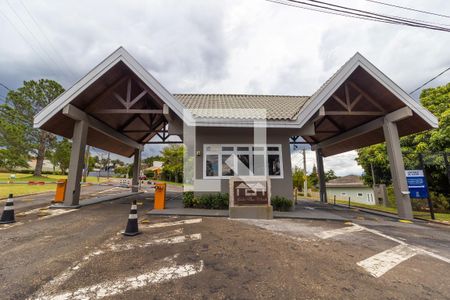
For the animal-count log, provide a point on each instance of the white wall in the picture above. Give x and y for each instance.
(363, 195)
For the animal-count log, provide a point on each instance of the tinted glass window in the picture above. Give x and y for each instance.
(273, 162)
(227, 165)
(212, 165)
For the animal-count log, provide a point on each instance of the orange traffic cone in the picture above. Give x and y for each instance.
(8, 212)
(132, 225)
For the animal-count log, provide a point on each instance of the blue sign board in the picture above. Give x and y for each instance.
(417, 184)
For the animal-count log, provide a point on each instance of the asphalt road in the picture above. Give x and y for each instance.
(81, 254)
(24, 202)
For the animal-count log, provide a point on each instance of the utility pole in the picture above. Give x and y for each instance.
(305, 178)
(86, 163)
(107, 166)
(373, 175)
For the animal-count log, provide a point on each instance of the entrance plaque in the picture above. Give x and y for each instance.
(250, 197)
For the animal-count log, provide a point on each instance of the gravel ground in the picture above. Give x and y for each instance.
(216, 258)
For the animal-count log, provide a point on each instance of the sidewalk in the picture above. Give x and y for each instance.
(305, 209)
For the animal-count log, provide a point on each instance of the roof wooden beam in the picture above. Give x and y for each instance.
(77, 114)
(367, 96)
(130, 111)
(394, 116)
(353, 113)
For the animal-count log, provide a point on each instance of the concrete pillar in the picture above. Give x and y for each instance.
(136, 171)
(321, 173)
(72, 195)
(397, 170)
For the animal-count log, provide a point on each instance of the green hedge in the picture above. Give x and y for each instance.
(208, 201)
(281, 203)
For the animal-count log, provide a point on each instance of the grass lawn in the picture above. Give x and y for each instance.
(4, 177)
(24, 189)
(18, 189)
(417, 214)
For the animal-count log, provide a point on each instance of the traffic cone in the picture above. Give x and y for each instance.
(8, 212)
(132, 225)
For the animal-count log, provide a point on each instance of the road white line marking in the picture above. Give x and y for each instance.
(335, 232)
(168, 241)
(111, 288)
(57, 212)
(176, 223)
(382, 262)
(108, 246)
(432, 254)
(6, 226)
(381, 234)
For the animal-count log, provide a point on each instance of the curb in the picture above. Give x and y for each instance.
(26, 195)
(390, 215)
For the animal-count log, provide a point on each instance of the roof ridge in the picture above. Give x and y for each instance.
(248, 95)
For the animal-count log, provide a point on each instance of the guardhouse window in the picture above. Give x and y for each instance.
(212, 165)
(243, 160)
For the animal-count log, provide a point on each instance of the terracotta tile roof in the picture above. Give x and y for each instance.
(346, 181)
(241, 106)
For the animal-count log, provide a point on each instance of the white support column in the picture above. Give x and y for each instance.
(397, 170)
(136, 171)
(321, 174)
(72, 195)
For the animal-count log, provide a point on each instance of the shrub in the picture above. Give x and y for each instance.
(188, 199)
(207, 201)
(440, 201)
(149, 174)
(281, 203)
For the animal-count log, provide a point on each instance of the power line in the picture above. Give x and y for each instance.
(23, 37)
(1, 84)
(42, 48)
(324, 11)
(39, 27)
(410, 9)
(430, 80)
(329, 8)
(359, 12)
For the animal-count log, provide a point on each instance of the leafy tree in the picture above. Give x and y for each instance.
(93, 162)
(431, 143)
(172, 157)
(313, 178)
(17, 134)
(298, 178)
(148, 161)
(116, 162)
(330, 175)
(62, 154)
(122, 170)
(10, 160)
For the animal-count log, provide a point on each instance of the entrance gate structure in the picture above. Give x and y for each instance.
(119, 107)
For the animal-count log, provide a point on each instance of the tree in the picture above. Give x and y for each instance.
(10, 160)
(62, 154)
(172, 157)
(148, 161)
(298, 178)
(93, 162)
(330, 175)
(17, 134)
(313, 178)
(437, 101)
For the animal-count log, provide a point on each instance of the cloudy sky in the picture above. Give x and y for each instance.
(227, 46)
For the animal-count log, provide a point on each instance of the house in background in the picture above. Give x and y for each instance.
(350, 186)
(156, 168)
